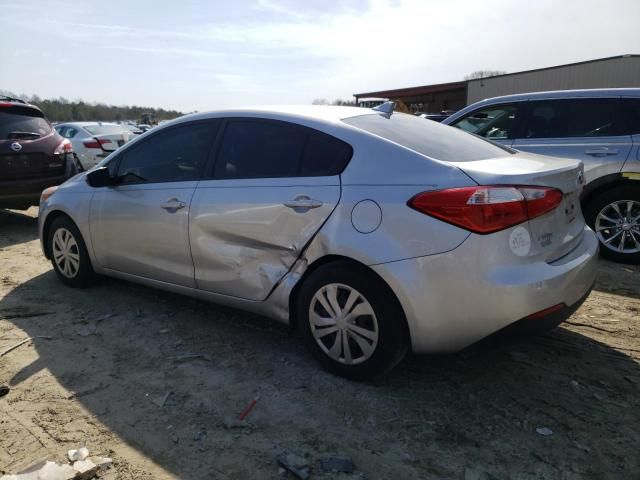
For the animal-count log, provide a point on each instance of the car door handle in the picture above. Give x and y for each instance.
(603, 151)
(303, 202)
(172, 205)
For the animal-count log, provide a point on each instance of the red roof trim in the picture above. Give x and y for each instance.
(406, 92)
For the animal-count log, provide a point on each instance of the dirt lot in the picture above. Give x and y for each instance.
(117, 349)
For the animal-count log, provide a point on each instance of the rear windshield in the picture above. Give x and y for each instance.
(429, 138)
(103, 129)
(22, 123)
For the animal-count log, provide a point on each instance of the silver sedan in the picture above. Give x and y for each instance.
(373, 232)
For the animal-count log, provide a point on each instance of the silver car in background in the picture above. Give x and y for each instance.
(599, 127)
(94, 141)
(372, 232)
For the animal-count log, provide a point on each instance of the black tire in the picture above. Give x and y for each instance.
(83, 276)
(393, 336)
(598, 203)
(72, 167)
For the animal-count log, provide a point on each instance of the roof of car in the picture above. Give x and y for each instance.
(592, 92)
(328, 113)
(17, 102)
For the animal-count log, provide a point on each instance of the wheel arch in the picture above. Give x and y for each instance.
(50, 218)
(598, 186)
(295, 292)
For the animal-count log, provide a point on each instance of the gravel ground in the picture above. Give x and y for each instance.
(116, 350)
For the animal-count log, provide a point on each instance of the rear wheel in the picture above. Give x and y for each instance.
(351, 321)
(615, 217)
(72, 166)
(69, 255)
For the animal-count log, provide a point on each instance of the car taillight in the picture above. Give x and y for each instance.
(487, 209)
(64, 147)
(96, 142)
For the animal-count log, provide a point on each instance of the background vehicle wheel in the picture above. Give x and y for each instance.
(351, 321)
(72, 167)
(69, 254)
(615, 217)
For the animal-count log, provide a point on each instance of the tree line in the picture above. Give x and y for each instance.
(64, 110)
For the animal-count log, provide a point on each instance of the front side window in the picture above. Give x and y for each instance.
(272, 149)
(585, 117)
(177, 154)
(496, 122)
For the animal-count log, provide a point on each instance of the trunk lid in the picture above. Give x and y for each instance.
(110, 135)
(557, 232)
(115, 140)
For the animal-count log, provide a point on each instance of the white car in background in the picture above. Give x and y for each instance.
(93, 141)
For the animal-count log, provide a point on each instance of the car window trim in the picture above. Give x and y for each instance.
(160, 132)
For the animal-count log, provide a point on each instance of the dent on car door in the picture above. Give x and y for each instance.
(273, 186)
(497, 123)
(589, 129)
(140, 226)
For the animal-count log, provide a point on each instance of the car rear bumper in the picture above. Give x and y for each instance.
(455, 299)
(24, 193)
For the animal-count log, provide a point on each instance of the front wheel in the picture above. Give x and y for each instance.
(68, 254)
(351, 321)
(615, 217)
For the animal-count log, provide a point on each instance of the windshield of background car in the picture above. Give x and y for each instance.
(429, 138)
(103, 129)
(16, 122)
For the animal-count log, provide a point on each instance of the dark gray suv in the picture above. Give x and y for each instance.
(33, 156)
(599, 127)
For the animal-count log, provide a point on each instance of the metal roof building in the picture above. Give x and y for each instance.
(610, 72)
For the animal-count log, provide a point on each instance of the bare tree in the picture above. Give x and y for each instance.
(478, 74)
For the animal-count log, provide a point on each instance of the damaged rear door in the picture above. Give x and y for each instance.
(272, 186)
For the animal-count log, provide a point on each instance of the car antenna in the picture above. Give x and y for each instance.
(386, 108)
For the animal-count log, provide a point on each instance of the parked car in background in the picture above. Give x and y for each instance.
(32, 155)
(144, 127)
(599, 127)
(93, 141)
(364, 228)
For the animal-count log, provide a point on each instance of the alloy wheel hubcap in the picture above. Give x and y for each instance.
(618, 226)
(66, 254)
(343, 324)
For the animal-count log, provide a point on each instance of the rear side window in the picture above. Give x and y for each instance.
(632, 106)
(588, 117)
(496, 122)
(324, 155)
(437, 141)
(22, 123)
(67, 132)
(272, 149)
(177, 154)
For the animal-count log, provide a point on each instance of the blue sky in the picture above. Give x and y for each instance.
(201, 55)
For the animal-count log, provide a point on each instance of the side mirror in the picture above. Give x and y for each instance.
(100, 177)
